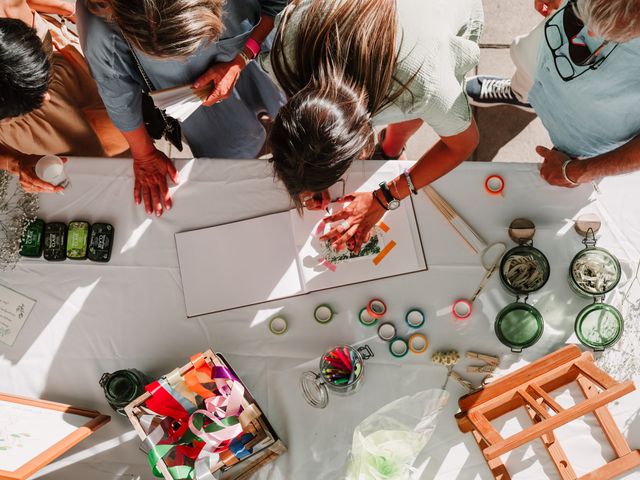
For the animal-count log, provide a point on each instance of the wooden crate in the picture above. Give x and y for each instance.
(271, 447)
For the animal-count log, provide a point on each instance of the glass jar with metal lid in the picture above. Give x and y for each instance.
(519, 326)
(341, 371)
(123, 387)
(523, 270)
(593, 273)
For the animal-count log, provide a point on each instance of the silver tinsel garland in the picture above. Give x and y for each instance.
(17, 210)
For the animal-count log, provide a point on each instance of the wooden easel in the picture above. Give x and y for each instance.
(529, 387)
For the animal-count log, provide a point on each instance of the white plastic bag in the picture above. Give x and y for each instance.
(386, 443)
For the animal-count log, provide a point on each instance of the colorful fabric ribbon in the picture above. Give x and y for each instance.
(189, 440)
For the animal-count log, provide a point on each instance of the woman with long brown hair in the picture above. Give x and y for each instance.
(168, 43)
(350, 65)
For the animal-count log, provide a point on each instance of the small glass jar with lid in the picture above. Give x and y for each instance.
(523, 270)
(341, 371)
(593, 273)
(123, 387)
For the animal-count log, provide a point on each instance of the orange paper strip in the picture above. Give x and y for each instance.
(385, 251)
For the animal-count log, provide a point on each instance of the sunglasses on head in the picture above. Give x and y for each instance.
(579, 53)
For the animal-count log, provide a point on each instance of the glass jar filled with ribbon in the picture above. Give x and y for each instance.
(523, 270)
(593, 273)
(341, 371)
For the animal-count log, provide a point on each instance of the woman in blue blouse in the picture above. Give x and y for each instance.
(181, 42)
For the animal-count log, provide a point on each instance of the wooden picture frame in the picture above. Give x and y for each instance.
(67, 440)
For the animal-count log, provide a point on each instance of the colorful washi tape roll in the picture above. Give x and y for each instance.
(418, 343)
(494, 185)
(376, 308)
(278, 325)
(323, 314)
(415, 318)
(462, 309)
(366, 319)
(387, 331)
(398, 347)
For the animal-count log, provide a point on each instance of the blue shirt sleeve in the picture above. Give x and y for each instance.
(272, 7)
(114, 69)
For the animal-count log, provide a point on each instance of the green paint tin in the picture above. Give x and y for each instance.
(77, 240)
(100, 242)
(32, 239)
(55, 241)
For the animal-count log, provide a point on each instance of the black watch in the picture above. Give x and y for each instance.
(392, 202)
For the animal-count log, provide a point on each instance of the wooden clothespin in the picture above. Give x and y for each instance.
(488, 359)
(481, 369)
(462, 381)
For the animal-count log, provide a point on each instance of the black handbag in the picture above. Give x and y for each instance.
(157, 123)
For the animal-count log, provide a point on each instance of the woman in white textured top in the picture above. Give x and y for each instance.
(350, 65)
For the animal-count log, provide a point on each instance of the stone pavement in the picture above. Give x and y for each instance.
(506, 134)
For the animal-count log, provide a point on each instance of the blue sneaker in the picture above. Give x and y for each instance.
(488, 91)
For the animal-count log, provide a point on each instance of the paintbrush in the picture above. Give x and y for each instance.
(468, 234)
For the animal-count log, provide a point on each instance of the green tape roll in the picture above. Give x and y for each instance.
(278, 325)
(415, 318)
(323, 314)
(398, 347)
(366, 319)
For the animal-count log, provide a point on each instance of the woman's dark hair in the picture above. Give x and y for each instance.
(25, 69)
(317, 134)
(343, 55)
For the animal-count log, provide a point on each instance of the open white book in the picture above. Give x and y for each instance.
(280, 255)
(180, 102)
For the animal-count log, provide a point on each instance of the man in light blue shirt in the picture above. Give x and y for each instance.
(579, 71)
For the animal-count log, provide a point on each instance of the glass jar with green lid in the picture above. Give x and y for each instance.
(523, 270)
(594, 272)
(519, 326)
(599, 326)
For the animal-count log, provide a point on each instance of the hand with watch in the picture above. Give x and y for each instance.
(364, 211)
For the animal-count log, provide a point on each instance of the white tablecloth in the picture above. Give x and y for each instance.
(94, 318)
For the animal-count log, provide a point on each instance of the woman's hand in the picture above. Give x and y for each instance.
(224, 77)
(358, 218)
(24, 166)
(150, 171)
